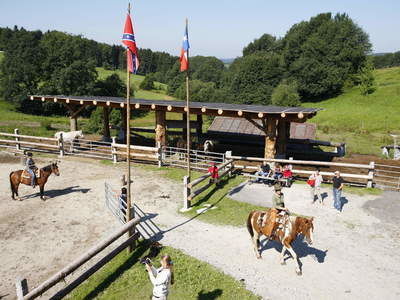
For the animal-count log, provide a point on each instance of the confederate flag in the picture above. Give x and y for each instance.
(128, 39)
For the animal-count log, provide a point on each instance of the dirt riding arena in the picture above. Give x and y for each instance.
(355, 254)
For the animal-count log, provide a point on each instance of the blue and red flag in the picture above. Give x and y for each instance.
(128, 39)
(185, 51)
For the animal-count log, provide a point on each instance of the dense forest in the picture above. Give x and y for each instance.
(315, 59)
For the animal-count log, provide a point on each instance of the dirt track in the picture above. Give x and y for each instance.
(355, 254)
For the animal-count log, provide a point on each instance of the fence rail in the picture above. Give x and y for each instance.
(59, 276)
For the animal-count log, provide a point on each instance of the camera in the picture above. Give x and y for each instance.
(145, 261)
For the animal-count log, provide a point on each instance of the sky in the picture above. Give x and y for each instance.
(218, 28)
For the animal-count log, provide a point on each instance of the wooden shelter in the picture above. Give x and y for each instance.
(274, 121)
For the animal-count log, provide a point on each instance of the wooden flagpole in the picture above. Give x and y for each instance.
(128, 144)
(187, 114)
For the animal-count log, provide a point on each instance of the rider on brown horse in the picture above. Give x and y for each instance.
(31, 168)
(269, 221)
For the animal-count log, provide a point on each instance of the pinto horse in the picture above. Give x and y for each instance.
(286, 233)
(16, 178)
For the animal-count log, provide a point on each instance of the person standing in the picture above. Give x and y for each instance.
(315, 189)
(213, 170)
(337, 190)
(161, 278)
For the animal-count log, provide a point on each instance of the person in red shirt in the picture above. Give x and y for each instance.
(213, 170)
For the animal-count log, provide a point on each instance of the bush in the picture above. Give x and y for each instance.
(285, 94)
(147, 83)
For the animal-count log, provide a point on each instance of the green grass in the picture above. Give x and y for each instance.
(125, 278)
(362, 122)
(175, 174)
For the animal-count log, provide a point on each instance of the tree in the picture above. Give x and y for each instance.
(367, 80)
(285, 94)
(266, 43)
(322, 53)
(147, 83)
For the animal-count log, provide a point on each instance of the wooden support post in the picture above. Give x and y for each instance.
(161, 132)
(159, 154)
(73, 123)
(61, 145)
(270, 139)
(184, 130)
(123, 127)
(114, 150)
(282, 139)
(199, 130)
(106, 124)
(371, 170)
(17, 145)
(22, 288)
(186, 193)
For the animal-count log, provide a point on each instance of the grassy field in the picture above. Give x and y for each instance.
(362, 122)
(125, 278)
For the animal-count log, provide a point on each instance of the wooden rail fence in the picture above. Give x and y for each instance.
(22, 286)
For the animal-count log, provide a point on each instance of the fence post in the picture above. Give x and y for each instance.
(159, 154)
(186, 194)
(61, 145)
(371, 174)
(230, 169)
(17, 145)
(114, 150)
(22, 288)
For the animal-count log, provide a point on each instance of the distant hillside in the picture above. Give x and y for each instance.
(362, 122)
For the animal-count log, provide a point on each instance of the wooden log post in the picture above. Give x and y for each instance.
(159, 154)
(106, 124)
(371, 171)
(17, 145)
(161, 132)
(270, 139)
(22, 288)
(282, 138)
(186, 194)
(184, 129)
(199, 129)
(123, 127)
(114, 150)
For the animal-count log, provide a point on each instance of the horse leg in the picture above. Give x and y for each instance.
(256, 243)
(283, 255)
(42, 192)
(294, 255)
(16, 191)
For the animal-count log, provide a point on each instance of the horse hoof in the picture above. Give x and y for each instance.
(283, 263)
(298, 272)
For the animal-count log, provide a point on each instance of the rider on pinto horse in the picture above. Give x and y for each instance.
(270, 220)
(31, 168)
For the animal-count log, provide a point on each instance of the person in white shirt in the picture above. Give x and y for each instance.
(161, 278)
(316, 188)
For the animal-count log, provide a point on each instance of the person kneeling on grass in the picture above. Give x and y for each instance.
(161, 278)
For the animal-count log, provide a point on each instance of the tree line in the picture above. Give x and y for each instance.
(386, 60)
(316, 59)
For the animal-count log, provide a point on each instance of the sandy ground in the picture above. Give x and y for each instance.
(355, 253)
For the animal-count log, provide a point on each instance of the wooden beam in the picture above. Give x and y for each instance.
(106, 124)
(262, 128)
(161, 133)
(282, 137)
(199, 129)
(270, 139)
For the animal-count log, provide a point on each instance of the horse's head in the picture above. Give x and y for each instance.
(54, 169)
(307, 229)
(79, 134)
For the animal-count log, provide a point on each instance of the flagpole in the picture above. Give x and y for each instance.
(187, 114)
(128, 144)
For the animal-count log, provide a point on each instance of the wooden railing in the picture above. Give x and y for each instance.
(362, 171)
(189, 193)
(22, 286)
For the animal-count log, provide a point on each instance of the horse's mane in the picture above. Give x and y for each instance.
(46, 168)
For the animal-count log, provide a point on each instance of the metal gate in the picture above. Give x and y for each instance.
(199, 160)
(387, 177)
(88, 148)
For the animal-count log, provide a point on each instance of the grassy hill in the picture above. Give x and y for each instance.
(363, 122)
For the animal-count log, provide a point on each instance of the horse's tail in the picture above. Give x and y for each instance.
(11, 184)
(249, 226)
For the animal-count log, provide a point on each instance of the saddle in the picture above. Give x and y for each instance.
(272, 221)
(25, 174)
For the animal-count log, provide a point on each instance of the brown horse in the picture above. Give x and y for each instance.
(16, 178)
(285, 233)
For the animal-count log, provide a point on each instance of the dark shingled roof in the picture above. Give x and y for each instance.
(267, 109)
